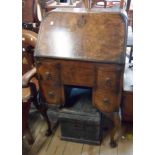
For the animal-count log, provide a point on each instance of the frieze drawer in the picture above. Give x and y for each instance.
(80, 74)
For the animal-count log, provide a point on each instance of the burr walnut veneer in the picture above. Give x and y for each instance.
(82, 47)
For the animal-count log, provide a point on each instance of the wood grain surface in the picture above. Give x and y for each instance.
(82, 34)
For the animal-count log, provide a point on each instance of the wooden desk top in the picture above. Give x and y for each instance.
(80, 34)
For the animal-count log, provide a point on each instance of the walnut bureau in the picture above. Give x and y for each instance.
(81, 47)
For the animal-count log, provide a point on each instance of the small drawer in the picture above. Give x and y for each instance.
(52, 95)
(78, 73)
(108, 80)
(49, 73)
(106, 102)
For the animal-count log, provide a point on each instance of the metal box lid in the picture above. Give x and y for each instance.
(82, 34)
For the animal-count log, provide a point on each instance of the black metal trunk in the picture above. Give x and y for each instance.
(81, 122)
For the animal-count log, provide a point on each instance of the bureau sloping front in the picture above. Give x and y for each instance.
(79, 34)
(79, 47)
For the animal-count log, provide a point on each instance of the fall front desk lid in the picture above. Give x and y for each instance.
(81, 34)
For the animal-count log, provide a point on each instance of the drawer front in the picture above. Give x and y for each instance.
(78, 73)
(49, 80)
(52, 95)
(108, 80)
(106, 102)
(49, 73)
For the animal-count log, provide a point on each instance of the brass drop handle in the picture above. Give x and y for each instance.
(106, 101)
(51, 94)
(48, 75)
(108, 82)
